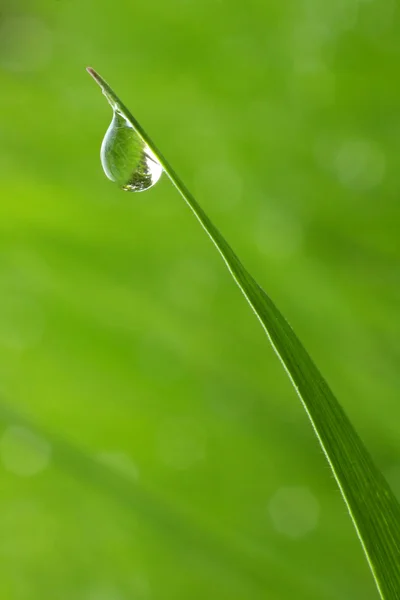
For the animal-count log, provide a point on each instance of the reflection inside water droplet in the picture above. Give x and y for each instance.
(126, 159)
(125, 155)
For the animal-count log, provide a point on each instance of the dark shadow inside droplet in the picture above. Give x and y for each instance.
(146, 175)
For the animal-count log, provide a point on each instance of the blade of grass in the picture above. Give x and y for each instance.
(371, 503)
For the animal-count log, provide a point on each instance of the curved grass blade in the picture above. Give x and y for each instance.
(371, 503)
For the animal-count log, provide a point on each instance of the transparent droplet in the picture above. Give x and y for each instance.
(126, 155)
(126, 159)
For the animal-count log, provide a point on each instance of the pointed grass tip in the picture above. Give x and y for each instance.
(93, 73)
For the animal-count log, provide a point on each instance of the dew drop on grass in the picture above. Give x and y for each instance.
(125, 157)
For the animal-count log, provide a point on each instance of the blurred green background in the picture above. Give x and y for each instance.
(151, 446)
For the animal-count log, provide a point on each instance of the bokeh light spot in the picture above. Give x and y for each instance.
(359, 164)
(23, 452)
(294, 511)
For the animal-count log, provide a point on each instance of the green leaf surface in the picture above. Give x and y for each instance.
(373, 507)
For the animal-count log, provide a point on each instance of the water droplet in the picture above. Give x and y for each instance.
(125, 156)
(126, 159)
